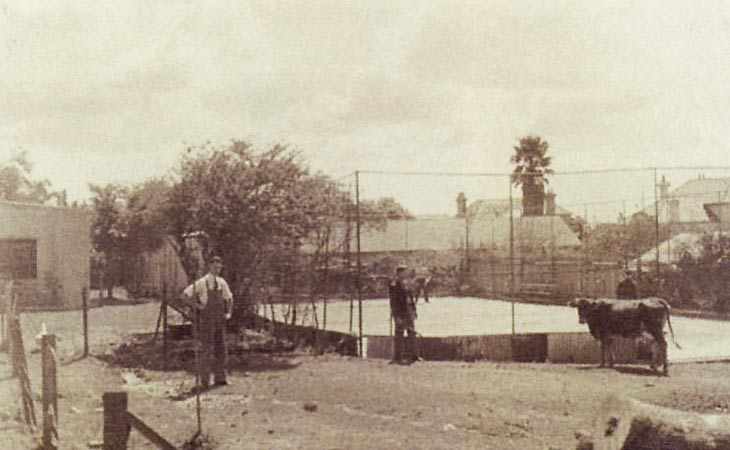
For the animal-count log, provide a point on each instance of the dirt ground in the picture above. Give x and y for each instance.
(350, 403)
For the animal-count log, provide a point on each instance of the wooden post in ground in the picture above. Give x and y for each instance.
(85, 308)
(116, 423)
(8, 312)
(164, 324)
(4, 322)
(20, 369)
(50, 392)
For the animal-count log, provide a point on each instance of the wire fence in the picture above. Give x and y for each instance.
(476, 234)
(480, 234)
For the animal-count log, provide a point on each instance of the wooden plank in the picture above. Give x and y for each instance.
(20, 369)
(149, 433)
(380, 347)
(85, 308)
(50, 395)
(582, 348)
(116, 423)
(529, 347)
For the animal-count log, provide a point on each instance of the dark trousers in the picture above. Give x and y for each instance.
(404, 340)
(422, 289)
(211, 334)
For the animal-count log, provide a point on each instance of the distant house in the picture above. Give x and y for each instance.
(683, 209)
(499, 207)
(719, 214)
(672, 251)
(442, 240)
(45, 250)
(691, 211)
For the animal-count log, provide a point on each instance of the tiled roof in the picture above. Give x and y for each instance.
(718, 212)
(442, 233)
(673, 250)
(497, 207)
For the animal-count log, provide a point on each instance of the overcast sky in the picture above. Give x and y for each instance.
(104, 91)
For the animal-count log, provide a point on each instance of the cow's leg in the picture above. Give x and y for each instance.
(603, 352)
(661, 344)
(652, 346)
(663, 354)
(654, 356)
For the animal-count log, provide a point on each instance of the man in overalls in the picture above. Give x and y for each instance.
(214, 302)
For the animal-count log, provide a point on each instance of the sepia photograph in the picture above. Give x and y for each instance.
(356, 225)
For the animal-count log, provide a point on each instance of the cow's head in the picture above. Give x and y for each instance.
(583, 305)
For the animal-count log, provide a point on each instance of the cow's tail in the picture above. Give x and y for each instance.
(669, 322)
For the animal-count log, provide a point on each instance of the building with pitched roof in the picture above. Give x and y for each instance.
(683, 208)
(697, 208)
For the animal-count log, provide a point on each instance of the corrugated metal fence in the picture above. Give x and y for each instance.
(531, 347)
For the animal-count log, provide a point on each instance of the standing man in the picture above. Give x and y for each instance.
(403, 311)
(214, 302)
(422, 277)
(626, 289)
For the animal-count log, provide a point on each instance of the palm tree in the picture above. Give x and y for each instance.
(531, 166)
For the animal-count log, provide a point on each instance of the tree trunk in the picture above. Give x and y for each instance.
(632, 425)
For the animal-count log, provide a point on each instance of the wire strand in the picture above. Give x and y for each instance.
(557, 173)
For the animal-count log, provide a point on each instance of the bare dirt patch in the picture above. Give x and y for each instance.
(360, 404)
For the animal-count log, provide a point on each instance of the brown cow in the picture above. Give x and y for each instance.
(608, 318)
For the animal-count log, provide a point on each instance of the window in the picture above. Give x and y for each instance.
(18, 258)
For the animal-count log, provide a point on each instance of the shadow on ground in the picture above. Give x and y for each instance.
(629, 370)
(246, 353)
(638, 370)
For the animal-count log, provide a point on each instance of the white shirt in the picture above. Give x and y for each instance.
(199, 289)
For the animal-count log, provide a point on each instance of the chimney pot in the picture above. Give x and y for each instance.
(461, 205)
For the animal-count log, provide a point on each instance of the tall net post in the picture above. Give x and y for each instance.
(656, 224)
(359, 262)
(512, 255)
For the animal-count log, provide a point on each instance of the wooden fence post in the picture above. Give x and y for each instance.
(164, 325)
(8, 314)
(116, 424)
(4, 323)
(50, 392)
(20, 369)
(85, 307)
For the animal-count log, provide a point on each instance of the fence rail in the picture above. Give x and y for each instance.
(118, 422)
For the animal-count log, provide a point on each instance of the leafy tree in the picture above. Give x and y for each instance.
(251, 206)
(143, 216)
(614, 242)
(127, 222)
(17, 184)
(107, 233)
(376, 212)
(256, 208)
(531, 167)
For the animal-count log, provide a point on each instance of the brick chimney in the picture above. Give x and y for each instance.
(533, 197)
(664, 189)
(550, 209)
(461, 205)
